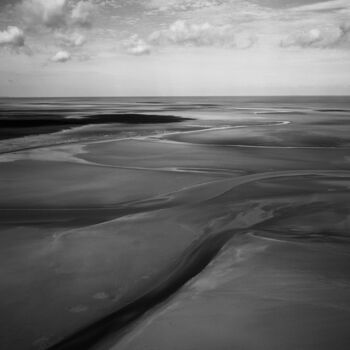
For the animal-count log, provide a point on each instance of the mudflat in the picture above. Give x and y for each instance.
(230, 231)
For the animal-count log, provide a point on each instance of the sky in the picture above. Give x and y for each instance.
(174, 47)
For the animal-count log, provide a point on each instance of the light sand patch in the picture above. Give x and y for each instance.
(57, 154)
(101, 296)
(78, 308)
(225, 267)
(42, 343)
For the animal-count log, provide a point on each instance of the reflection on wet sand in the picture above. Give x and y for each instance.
(178, 233)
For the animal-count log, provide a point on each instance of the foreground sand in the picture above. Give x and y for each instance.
(89, 229)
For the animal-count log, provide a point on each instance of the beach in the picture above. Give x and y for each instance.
(222, 222)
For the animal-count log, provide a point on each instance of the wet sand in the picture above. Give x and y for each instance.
(184, 239)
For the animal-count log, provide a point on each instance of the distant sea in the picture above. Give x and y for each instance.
(23, 117)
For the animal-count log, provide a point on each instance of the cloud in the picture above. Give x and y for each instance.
(204, 34)
(326, 5)
(56, 14)
(82, 13)
(61, 56)
(70, 39)
(50, 13)
(12, 37)
(308, 38)
(136, 46)
(181, 5)
(326, 37)
(57, 21)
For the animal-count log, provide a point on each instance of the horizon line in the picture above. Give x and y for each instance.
(171, 96)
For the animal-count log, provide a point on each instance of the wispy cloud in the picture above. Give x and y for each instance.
(182, 5)
(324, 6)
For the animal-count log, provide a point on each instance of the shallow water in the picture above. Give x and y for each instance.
(228, 229)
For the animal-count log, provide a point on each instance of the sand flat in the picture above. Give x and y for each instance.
(172, 232)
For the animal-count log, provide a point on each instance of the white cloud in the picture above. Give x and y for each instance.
(61, 56)
(56, 13)
(83, 12)
(136, 46)
(325, 37)
(308, 38)
(204, 34)
(50, 13)
(70, 39)
(13, 37)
